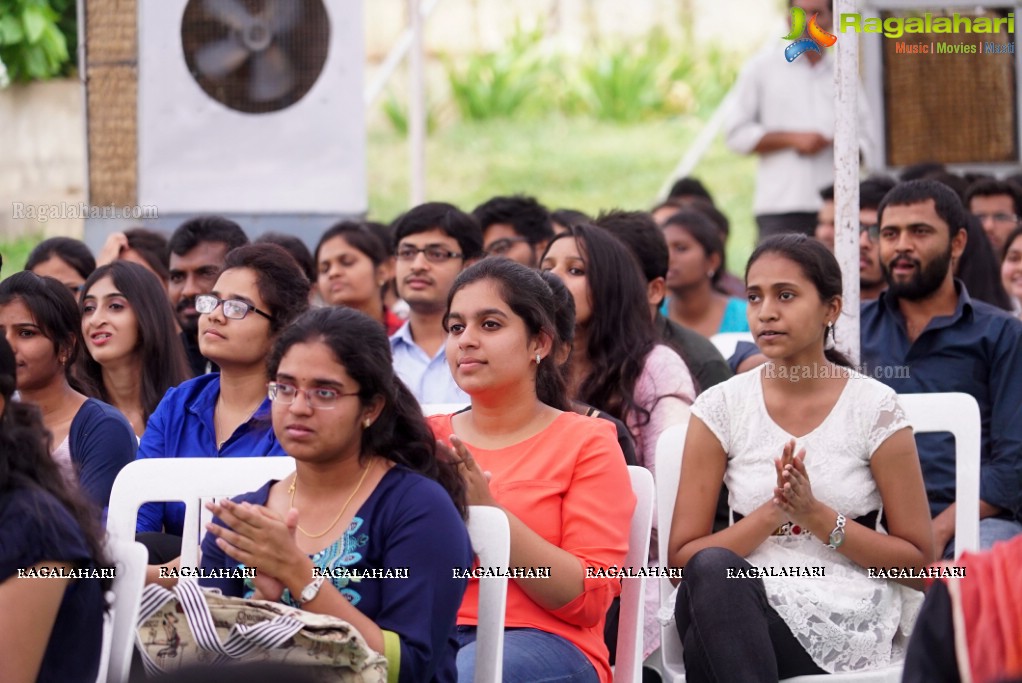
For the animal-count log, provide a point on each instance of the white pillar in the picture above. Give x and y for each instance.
(416, 107)
(846, 180)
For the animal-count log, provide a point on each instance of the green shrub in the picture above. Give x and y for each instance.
(38, 38)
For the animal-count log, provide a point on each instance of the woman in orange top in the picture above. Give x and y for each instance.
(559, 476)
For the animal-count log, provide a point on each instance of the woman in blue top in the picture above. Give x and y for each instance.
(693, 277)
(50, 630)
(368, 495)
(226, 414)
(91, 441)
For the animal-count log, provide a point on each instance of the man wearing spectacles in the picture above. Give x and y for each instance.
(871, 273)
(998, 205)
(517, 228)
(433, 242)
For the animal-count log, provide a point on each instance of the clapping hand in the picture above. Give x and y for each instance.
(795, 494)
(477, 482)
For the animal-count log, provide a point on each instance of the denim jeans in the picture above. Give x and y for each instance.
(729, 631)
(530, 656)
(991, 530)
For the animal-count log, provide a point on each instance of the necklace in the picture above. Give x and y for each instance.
(294, 486)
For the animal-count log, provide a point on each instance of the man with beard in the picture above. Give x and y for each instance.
(197, 251)
(433, 242)
(926, 323)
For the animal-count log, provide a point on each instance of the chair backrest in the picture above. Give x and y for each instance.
(191, 481)
(491, 540)
(442, 408)
(958, 414)
(628, 658)
(726, 342)
(669, 450)
(119, 624)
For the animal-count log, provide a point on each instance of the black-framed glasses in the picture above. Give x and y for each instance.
(235, 309)
(997, 217)
(320, 398)
(503, 245)
(434, 254)
(872, 230)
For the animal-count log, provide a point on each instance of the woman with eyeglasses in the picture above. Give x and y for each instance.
(354, 267)
(369, 527)
(91, 441)
(227, 414)
(133, 351)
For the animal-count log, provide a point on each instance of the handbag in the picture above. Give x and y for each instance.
(194, 626)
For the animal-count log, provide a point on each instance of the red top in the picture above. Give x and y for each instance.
(391, 321)
(569, 484)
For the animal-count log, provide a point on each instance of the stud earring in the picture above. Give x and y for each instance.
(711, 273)
(366, 422)
(538, 358)
(830, 330)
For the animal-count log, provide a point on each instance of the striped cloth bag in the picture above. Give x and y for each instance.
(192, 626)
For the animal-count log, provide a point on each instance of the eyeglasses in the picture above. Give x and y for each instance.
(872, 230)
(320, 399)
(503, 245)
(235, 309)
(433, 254)
(997, 217)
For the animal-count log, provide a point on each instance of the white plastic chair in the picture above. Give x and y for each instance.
(956, 413)
(628, 658)
(429, 409)
(491, 540)
(191, 481)
(119, 623)
(727, 341)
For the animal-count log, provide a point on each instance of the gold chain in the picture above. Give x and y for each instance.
(294, 486)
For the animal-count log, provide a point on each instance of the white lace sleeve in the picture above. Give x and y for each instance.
(888, 418)
(711, 407)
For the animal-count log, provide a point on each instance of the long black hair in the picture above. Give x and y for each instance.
(530, 298)
(818, 265)
(360, 344)
(25, 462)
(620, 333)
(55, 312)
(162, 361)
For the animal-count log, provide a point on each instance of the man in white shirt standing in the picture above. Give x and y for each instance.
(784, 112)
(433, 243)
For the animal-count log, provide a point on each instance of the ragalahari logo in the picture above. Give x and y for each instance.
(818, 38)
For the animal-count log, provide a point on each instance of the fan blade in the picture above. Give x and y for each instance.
(282, 15)
(272, 75)
(218, 59)
(231, 12)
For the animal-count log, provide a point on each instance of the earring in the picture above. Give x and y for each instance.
(711, 273)
(830, 330)
(538, 358)
(366, 422)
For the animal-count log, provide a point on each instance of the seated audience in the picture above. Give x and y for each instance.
(809, 465)
(977, 267)
(563, 219)
(354, 267)
(517, 227)
(197, 251)
(696, 260)
(927, 322)
(64, 259)
(558, 476)
(871, 275)
(617, 363)
(637, 231)
(997, 204)
(296, 247)
(433, 243)
(225, 414)
(359, 440)
(51, 629)
(147, 248)
(1011, 270)
(90, 440)
(824, 231)
(133, 353)
(964, 632)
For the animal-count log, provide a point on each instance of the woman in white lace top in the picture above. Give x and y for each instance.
(812, 453)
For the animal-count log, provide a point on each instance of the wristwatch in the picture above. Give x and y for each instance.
(310, 592)
(836, 538)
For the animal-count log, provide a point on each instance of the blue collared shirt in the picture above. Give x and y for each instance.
(182, 427)
(977, 351)
(429, 379)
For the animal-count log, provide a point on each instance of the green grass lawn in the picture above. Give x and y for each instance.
(577, 163)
